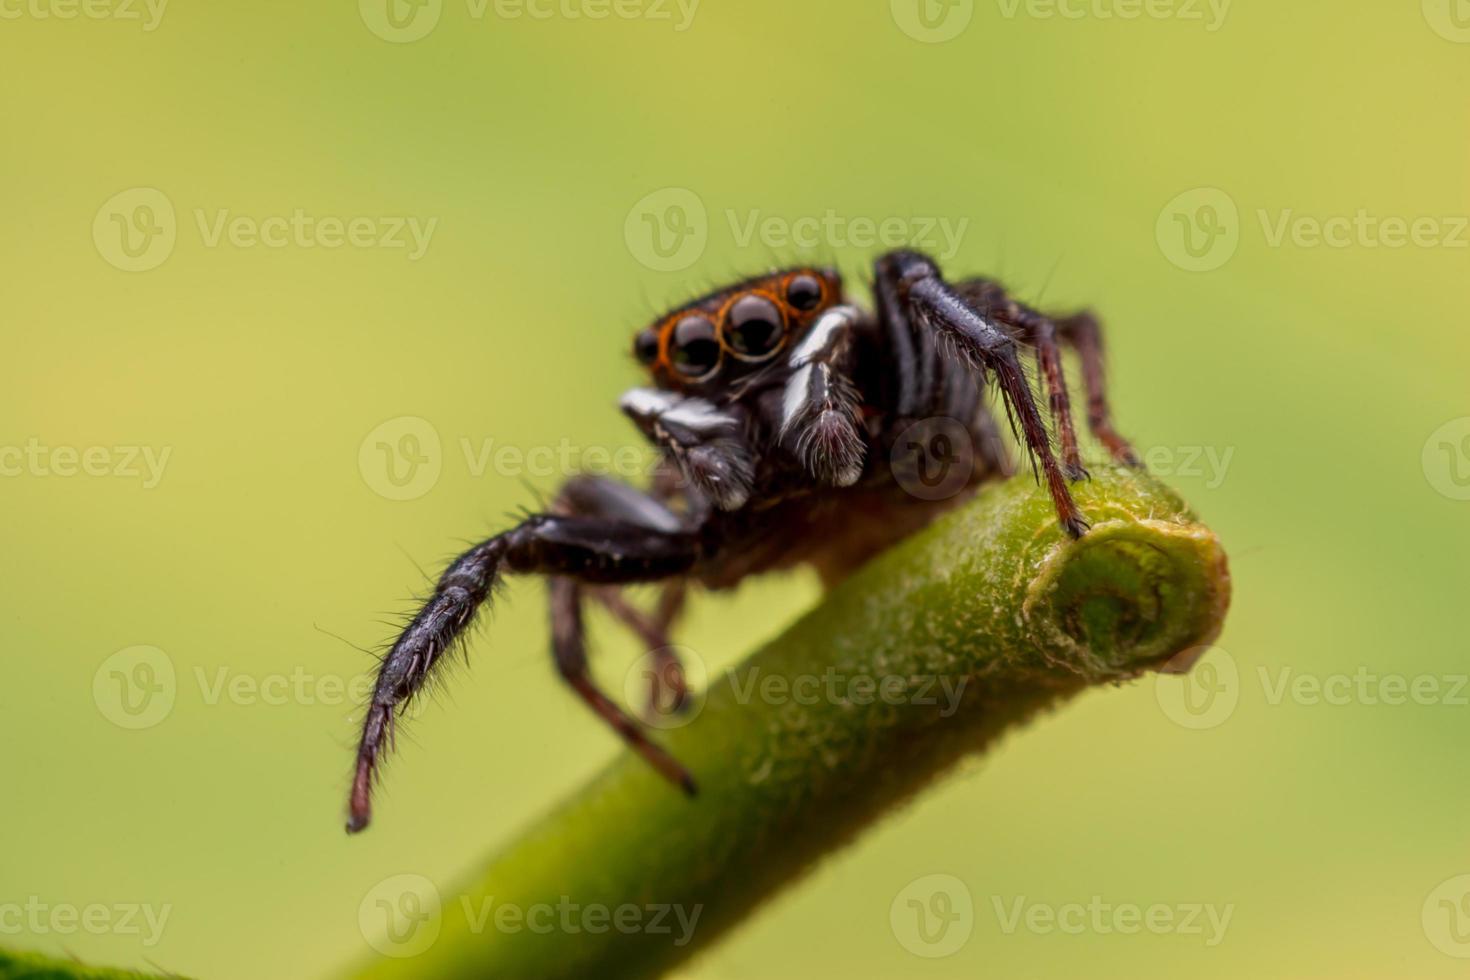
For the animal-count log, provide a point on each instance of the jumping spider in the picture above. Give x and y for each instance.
(776, 405)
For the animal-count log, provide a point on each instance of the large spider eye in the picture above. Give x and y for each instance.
(645, 347)
(695, 348)
(754, 328)
(804, 292)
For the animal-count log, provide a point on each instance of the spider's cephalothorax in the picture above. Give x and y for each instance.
(778, 407)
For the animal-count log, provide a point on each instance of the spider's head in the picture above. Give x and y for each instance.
(705, 346)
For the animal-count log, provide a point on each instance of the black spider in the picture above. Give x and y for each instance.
(776, 406)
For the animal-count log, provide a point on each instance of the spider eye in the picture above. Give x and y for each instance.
(645, 347)
(754, 328)
(804, 292)
(695, 349)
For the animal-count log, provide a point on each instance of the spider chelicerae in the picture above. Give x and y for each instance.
(776, 405)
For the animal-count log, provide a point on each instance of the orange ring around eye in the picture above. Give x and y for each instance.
(804, 274)
(782, 311)
(669, 341)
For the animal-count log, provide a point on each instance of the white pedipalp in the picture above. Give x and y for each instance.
(649, 403)
(823, 334)
(699, 415)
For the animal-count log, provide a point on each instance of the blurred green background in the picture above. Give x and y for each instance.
(1306, 393)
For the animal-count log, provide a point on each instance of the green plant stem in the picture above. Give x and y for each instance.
(32, 966)
(992, 601)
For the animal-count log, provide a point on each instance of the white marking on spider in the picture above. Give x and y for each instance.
(699, 415)
(648, 403)
(823, 334)
(797, 397)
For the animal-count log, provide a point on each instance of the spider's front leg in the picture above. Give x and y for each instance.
(1037, 331)
(1084, 333)
(912, 291)
(575, 551)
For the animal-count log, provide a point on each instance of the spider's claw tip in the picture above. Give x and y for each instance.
(357, 822)
(687, 784)
(1076, 472)
(1075, 526)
